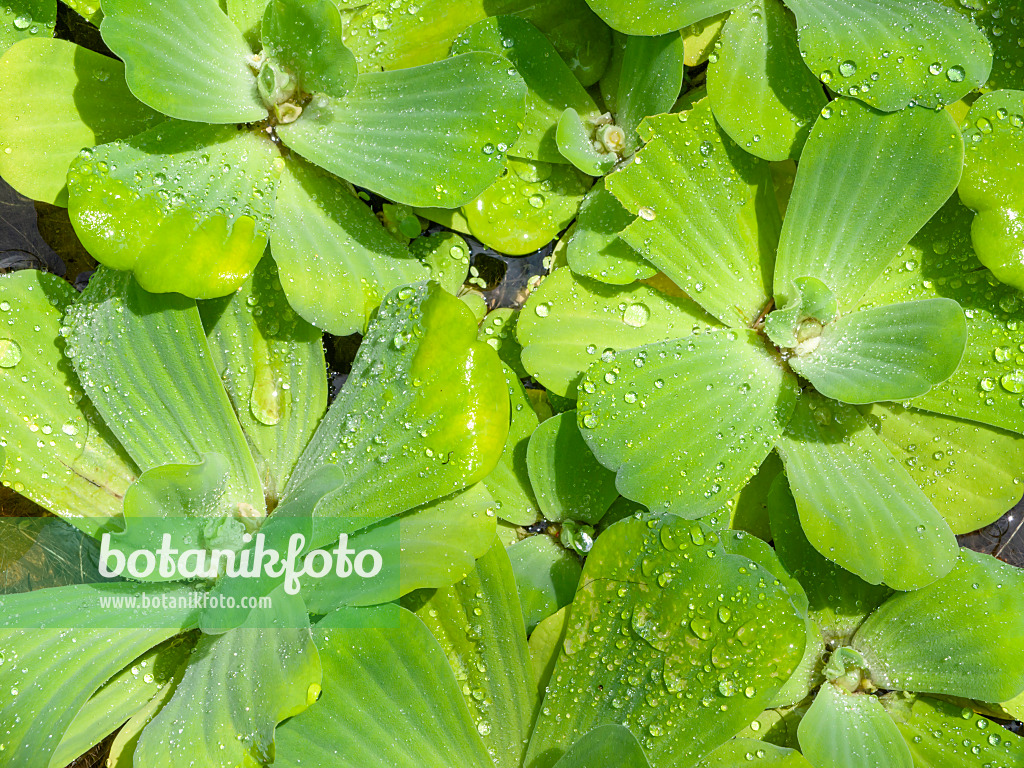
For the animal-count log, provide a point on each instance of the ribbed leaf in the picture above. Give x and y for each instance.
(428, 136)
(866, 184)
(163, 206)
(546, 577)
(944, 735)
(176, 409)
(991, 184)
(887, 353)
(322, 229)
(970, 472)
(306, 38)
(656, 17)
(990, 16)
(738, 753)
(604, 747)
(858, 505)
(27, 19)
(184, 58)
(596, 248)
(576, 144)
(55, 99)
(762, 93)
(851, 730)
(891, 53)
(707, 662)
(379, 683)
(960, 635)
(271, 362)
(686, 423)
(59, 453)
(569, 323)
(479, 624)
(509, 482)
(706, 216)
(649, 81)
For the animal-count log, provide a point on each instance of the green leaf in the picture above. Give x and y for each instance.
(707, 670)
(545, 645)
(59, 453)
(839, 601)
(990, 16)
(237, 688)
(247, 15)
(858, 505)
(27, 19)
(941, 734)
(569, 482)
(994, 135)
(576, 144)
(961, 635)
(886, 353)
(762, 94)
(850, 730)
(306, 38)
(424, 412)
(428, 136)
(526, 207)
(479, 624)
(863, 48)
(970, 472)
(571, 322)
(596, 248)
(509, 482)
(447, 256)
(271, 362)
(645, 413)
(716, 244)
(649, 81)
(790, 327)
(652, 17)
(867, 183)
(184, 58)
(321, 230)
(551, 87)
(989, 384)
(738, 752)
(162, 205)
(176, 409)
(37, 552)
(604, 747)
(55, 98)
(546, 575)
(381, 681)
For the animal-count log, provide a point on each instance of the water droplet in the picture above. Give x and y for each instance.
(636, 315)
(10, 353)
(936, 68)
(543, 310)
(647, 214)
(23, 21)
(987, 384)
(589, 420)
(483, 728)
(848, 68)
(956, 74)
(536, 201)
(488, 149)
(380, 21)
(1013, 382)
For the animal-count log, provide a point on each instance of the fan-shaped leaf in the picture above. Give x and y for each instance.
(604, 747)
(649, 81)
(657, 18)
(738, 753)
(509, 482)
(546, 576)
(596, 248)
(941, 734)
(306, 38)
(27, 19)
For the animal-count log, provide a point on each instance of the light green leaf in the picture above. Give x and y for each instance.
(963, 635)
(424, 412)
(942, 735)
(479, 624)
(570, 322)
(59, 453)
(271, 362)
(738, 752)
(55, 99)
(850, 730)
(237, 688)
(994, 135)
(991, 17)
(708, 669)
(48, 675)
(867, 183)
(306, 39)
(247, 15)
(596, 248)
(162, 205)
(863, 48)
(577, 145)
(378, 682)
(37, 552)
(176, 409)
(701, 37)
(656, 18)
(886, 353)
(839, 600)
(336, 260)
(545, 646)
(858, 505)
(716, 243)
(509, 482)
(428, 136)
(385, 38)
(178, 491)
(184, 58)
(447, 257)
(989, 384)
(551, 87)
(649, 81)
(798, 324)
(604, 747)
(526, 207)
(762, 94)
(645, 413)
(970, 472)
(569, 482)
(27, 19)
(120, 698)
(546, 575)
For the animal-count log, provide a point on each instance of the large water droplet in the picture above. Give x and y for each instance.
(10, 353)
(636, 315)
